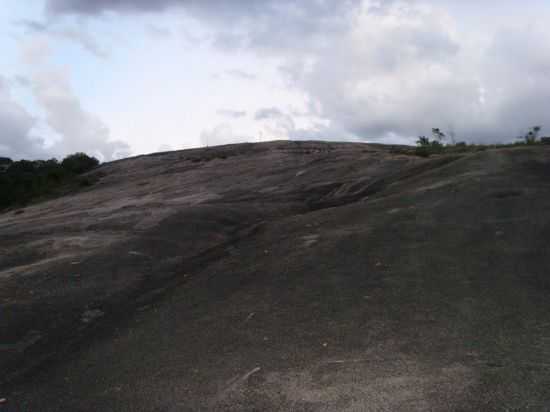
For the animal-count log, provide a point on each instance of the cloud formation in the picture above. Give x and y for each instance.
(102, 6)
(78, 129)
(16, 124)
(266, 24)
(235, 114)
(77, 35)
(222, 134)
(240, 74)
(380, 70)
(58, 124)
(268, 113)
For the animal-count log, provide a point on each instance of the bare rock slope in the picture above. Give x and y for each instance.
(280, 276)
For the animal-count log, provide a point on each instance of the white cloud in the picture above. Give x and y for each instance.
(222, 134)
(54, 108)
(85, 40)
(407, 69)
(37, 51)
(268, 113)
(384, 70)
(16, 124)
(235, 114)
(77, 34)
(240, 74)
(79, 130)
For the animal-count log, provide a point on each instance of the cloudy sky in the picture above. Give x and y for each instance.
(119, 77)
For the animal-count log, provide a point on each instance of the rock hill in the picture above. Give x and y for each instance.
(282, 276)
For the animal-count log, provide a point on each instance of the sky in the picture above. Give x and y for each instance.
(115, 78)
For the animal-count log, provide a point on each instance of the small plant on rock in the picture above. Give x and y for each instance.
(532, 134)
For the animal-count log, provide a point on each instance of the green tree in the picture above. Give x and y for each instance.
(438, 135)
(79, 163)
(532, 134)
(423, 141)
(24, 181)
(427, 147)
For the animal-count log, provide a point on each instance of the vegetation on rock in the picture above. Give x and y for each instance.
(23, 181)
(426, 147)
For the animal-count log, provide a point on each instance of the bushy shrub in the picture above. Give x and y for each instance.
(79, 163)
(426, 147)
(24, 181)
(532, 134)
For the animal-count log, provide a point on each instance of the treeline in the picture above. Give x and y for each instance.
(23, 181)
(440, 143)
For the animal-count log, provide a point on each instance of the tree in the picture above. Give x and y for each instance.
(79, 163)
(5, 162)
(25, 181)
(423, 141)
(427, 147)
(532, 134)
(438, 135)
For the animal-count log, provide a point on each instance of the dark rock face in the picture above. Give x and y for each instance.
(283, 276)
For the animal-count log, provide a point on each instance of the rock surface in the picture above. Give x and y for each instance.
(280, 276)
